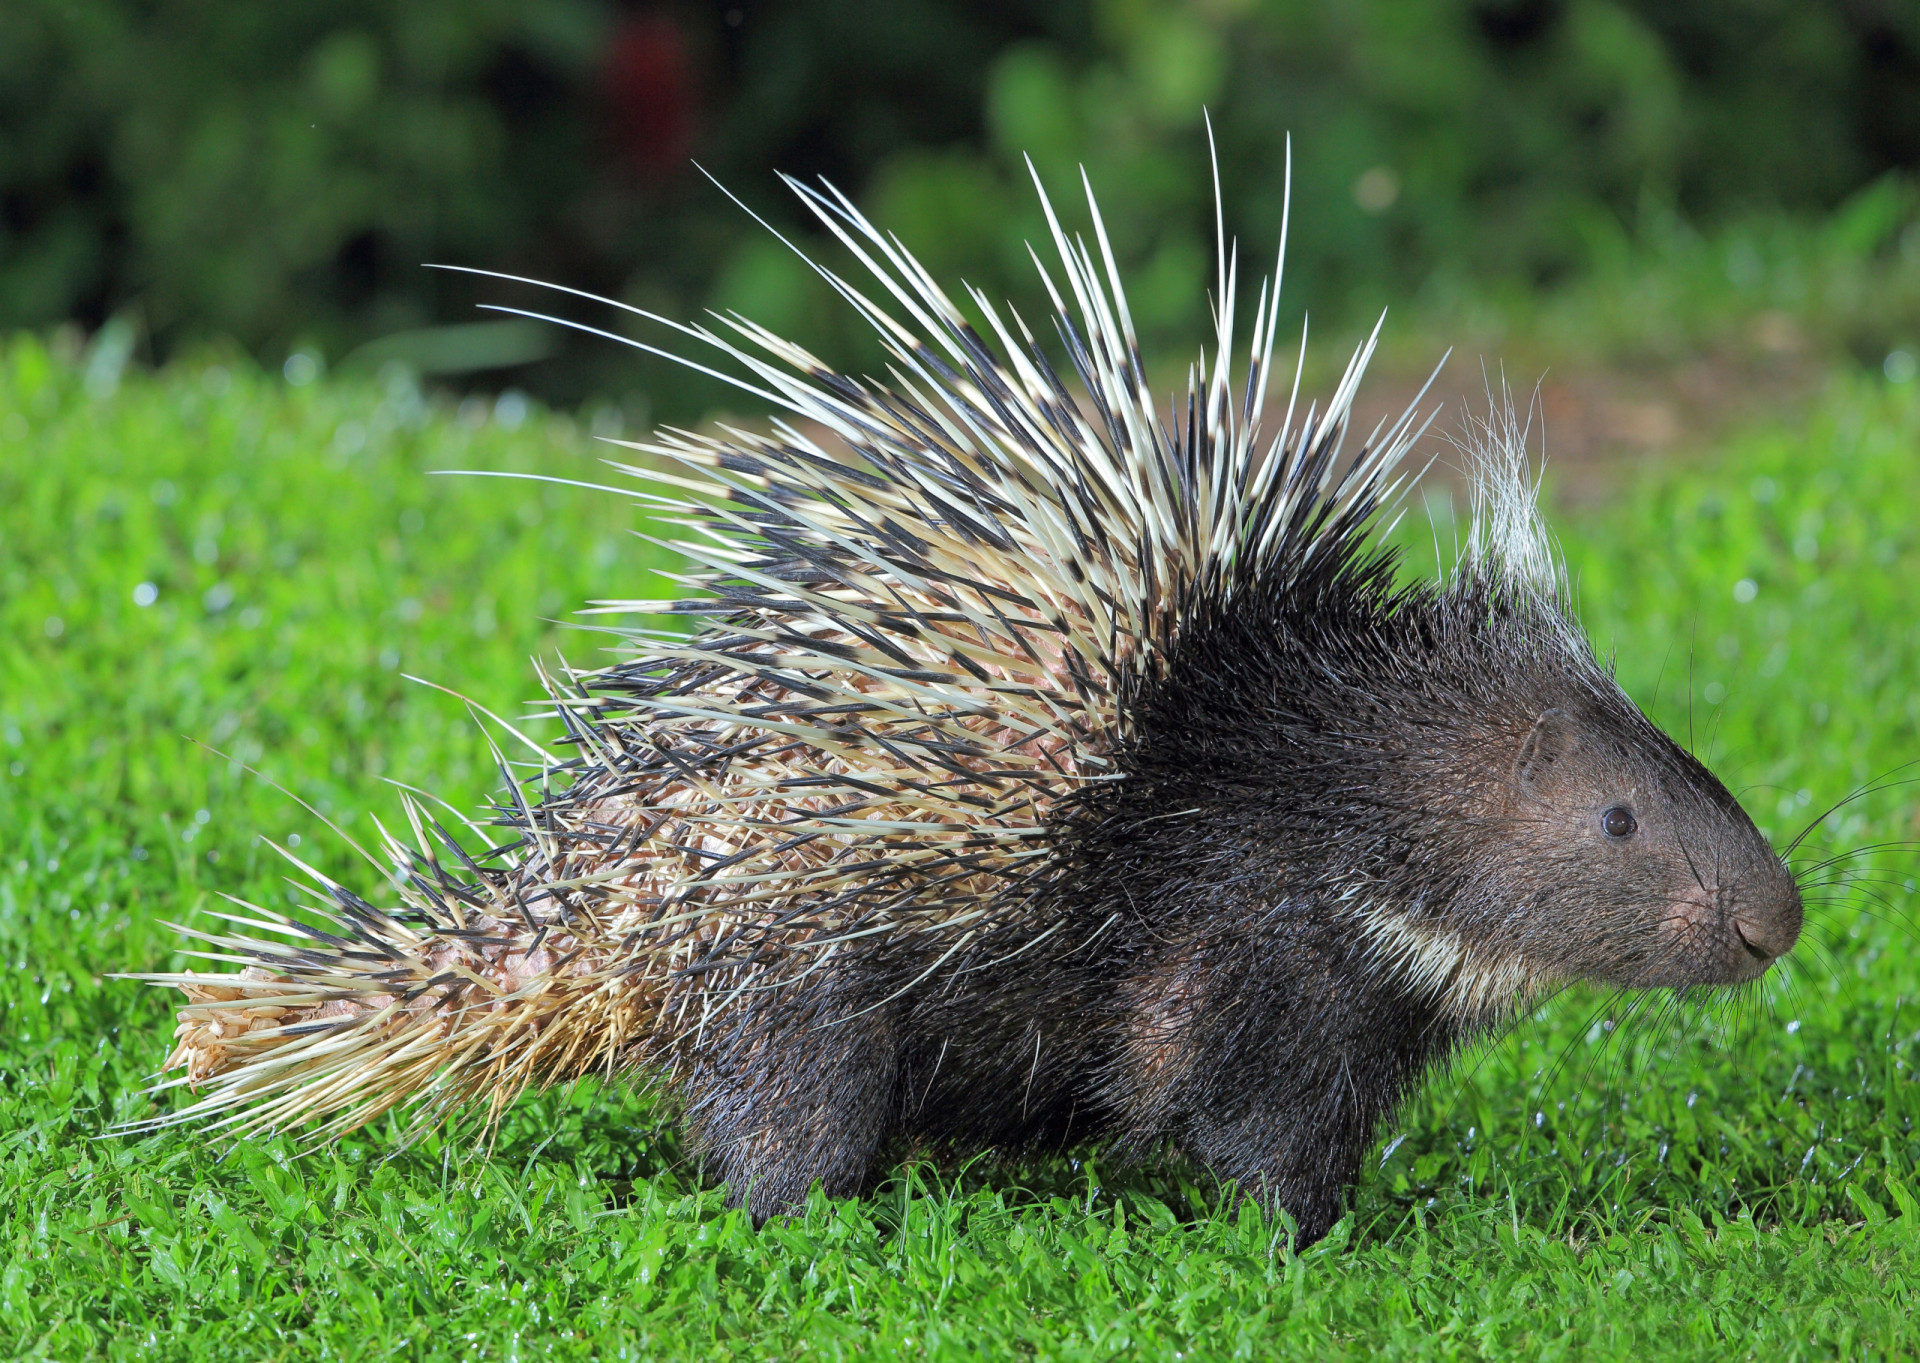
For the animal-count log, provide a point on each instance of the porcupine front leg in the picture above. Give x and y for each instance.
(1284, 1158)
(1294, 1131)
(1277, 1078)
(790, 1099)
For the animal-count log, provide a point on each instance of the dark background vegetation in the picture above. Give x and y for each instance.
(278, 174)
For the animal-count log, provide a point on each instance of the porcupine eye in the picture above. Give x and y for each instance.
(1618, 822)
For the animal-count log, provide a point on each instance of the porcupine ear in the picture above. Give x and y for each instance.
(1554, 735)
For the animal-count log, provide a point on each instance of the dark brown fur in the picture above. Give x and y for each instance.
(1210, 987)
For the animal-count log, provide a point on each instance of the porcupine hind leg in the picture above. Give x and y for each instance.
(786, 1102)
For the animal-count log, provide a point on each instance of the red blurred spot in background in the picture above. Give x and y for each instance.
(650, 95)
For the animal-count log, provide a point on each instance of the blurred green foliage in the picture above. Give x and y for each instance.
(279, 173)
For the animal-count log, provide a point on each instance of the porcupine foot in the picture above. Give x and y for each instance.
(1283, 1169)
(792, 1106)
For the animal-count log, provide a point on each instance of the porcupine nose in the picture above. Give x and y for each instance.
(1768, 924)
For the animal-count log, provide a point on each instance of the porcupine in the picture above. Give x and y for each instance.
(1043, 771)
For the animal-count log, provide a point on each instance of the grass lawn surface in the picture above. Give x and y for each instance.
(212, 557)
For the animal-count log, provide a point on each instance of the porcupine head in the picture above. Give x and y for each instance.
(1039, 765)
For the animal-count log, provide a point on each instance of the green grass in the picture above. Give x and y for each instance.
(1616, 1179)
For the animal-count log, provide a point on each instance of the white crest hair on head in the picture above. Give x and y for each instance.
(1508, 540)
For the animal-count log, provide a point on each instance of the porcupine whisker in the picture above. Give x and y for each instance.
(1873, 787)
(1606, 1051)
(1840, 859)
(1842, 868)
(1488, 1048)
(1489, 1045)
(1843, 889)
(1649, 1039)
(1849, 886)
(1829, 960)
(1885, 915)
(1693, 639)
(1617, 1049)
